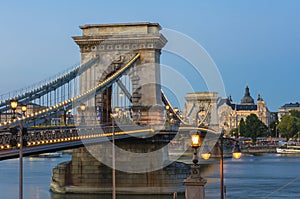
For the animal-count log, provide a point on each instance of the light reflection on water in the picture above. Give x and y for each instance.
(266, 176)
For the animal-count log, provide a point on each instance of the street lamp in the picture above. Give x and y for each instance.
(14, 105)
(195, 183)
(167, 107)
(205, 154)
(113, 115)
(276, 129)
(195, 146)
(23, 109)
(82, 109)
(176, 110)
(236, 154)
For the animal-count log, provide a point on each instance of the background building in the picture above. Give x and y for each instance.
(285, 109)
(201, 109)
(224, 113)
(230, 113)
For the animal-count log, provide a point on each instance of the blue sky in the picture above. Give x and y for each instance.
(253, 42)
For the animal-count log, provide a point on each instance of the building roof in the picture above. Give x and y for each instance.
(238, 107)
(246, 107)
(291, 105)
(247, 99)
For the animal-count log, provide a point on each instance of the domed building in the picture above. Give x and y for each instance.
(230, 113)
(247, 99)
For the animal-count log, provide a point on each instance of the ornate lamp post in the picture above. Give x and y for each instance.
(113, 115)
(14, 105)
(195, 146)
(195, 183)
(236, 154)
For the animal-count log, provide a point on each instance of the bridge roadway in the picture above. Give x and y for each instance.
(40, 141)
(72, 140)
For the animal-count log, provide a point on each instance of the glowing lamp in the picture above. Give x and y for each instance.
(196, 140)
(167, 107)
(82, 107)
(206, 156)
(13, 104)
(236, 153)
(23, 108)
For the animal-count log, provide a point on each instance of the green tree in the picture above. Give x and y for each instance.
(288, 127)
(273, 127)
(254, 127)
(242, 126)
(295, 113)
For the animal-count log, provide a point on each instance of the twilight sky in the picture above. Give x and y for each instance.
(254, 43)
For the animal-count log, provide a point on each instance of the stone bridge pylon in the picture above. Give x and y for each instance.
(142, 164)
(115, 44)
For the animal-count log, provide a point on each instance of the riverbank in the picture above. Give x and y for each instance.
(259, 149)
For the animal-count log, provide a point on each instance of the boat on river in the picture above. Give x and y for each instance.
(288, 149)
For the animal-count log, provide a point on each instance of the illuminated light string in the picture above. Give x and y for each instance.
(41, 142)
(57, 78)
(67, 102)
(71, 100)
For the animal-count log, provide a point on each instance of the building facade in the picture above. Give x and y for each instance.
(207, 109)
(285, 109)
(230, 113)
(201, 109)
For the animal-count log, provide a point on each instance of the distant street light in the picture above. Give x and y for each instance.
(167, 107)
(14, 105)
(23, 109)
(276, 129)
(82, 109)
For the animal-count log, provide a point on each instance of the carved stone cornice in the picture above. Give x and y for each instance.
(106, 43)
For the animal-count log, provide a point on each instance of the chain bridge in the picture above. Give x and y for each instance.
(114, 94)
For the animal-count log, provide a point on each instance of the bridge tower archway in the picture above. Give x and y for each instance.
(116, 44)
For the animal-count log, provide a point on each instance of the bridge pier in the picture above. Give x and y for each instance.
(86, 173)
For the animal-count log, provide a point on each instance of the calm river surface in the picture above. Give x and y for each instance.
(265, 176)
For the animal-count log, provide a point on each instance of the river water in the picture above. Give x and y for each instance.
(264, 176)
